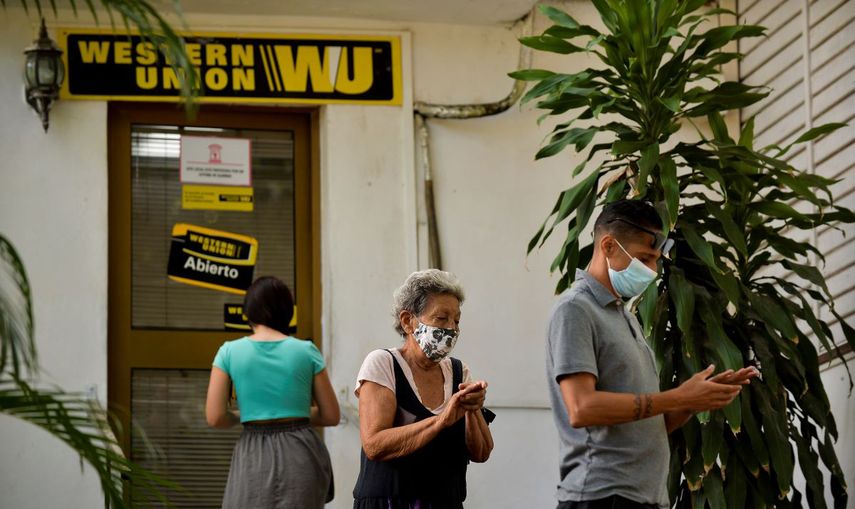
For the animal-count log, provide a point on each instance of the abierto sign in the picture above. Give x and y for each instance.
(285, 68)
(213, 259)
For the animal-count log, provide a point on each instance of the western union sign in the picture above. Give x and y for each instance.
(212, 259)
(236, 68)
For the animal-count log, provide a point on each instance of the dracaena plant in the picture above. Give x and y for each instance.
(78, 421)
(730, 207)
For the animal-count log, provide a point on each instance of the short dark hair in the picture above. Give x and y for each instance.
(268, 302)
(618, 217)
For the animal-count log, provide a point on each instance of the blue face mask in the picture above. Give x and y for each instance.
(632, 280)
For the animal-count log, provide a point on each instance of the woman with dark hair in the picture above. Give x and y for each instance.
(279, 461)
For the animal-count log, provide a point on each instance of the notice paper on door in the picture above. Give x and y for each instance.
(238, 199)
(215, 161)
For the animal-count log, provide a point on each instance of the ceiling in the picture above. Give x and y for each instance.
(459, 12)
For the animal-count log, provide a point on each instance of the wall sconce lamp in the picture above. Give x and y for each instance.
(43, 74)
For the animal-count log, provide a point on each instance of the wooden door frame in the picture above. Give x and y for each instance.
(121, 116)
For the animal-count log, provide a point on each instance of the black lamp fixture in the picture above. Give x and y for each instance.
(43, 74)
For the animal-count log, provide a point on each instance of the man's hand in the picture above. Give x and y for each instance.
(741, 377)
(704, 392)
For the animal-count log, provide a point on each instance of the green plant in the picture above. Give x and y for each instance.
(73, 418)
(729, 207)
(148, 21)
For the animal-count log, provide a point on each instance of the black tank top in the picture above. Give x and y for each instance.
(436, 473)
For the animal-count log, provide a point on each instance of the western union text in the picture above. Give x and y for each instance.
(286, 68)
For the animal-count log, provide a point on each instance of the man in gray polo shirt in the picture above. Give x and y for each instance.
(613, 422)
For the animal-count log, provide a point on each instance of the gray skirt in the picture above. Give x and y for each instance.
(281, 466)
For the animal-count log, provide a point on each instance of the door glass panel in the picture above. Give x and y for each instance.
(171, 438)
(159, 302)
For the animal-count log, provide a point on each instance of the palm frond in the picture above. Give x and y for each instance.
(84, 426)
(17, 348)
(78, 421)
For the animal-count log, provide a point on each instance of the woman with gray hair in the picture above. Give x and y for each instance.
(421, 417)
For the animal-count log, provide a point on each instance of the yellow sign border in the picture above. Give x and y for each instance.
(394, 40)
(180, 229)
(210, 286)
(293, 322)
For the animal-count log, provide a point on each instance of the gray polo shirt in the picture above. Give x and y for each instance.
(590, 331)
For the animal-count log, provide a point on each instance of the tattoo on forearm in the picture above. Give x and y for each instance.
(648, 408)
(637, 407)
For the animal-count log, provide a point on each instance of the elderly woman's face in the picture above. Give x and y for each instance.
(442, 310)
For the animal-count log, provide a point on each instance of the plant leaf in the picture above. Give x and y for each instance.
(683, 296)
(531, 74)
(731, 230)
(551, 44)
(816, 132)
(746, 137)
(649, 158)
(578, 136)
(700, 246)
(712, 438)
(18, 348)
(809, 273)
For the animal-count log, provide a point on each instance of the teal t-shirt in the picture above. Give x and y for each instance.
(272, 379)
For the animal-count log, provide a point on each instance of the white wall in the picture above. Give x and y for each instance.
(368, 238)
(53, 208)
(478, 167)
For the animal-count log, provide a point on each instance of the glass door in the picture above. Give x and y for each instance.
(198, 209)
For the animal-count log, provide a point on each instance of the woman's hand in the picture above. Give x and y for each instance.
(479, 440)
(455, 408)
(473, 401)
(468, 395)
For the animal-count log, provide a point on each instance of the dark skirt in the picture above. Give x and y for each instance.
(400, 503)
(279, 466)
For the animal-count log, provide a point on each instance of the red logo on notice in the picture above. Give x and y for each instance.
(215, 153)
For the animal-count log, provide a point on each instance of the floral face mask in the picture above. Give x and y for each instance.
(436, 342)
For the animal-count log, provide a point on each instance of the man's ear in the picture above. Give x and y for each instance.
(607, 244)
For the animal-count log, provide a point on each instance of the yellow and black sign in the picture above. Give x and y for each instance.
(286, 68)
(212, 259)
(234, 319)
(216, 198)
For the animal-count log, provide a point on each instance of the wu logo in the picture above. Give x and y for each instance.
(328, 69)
